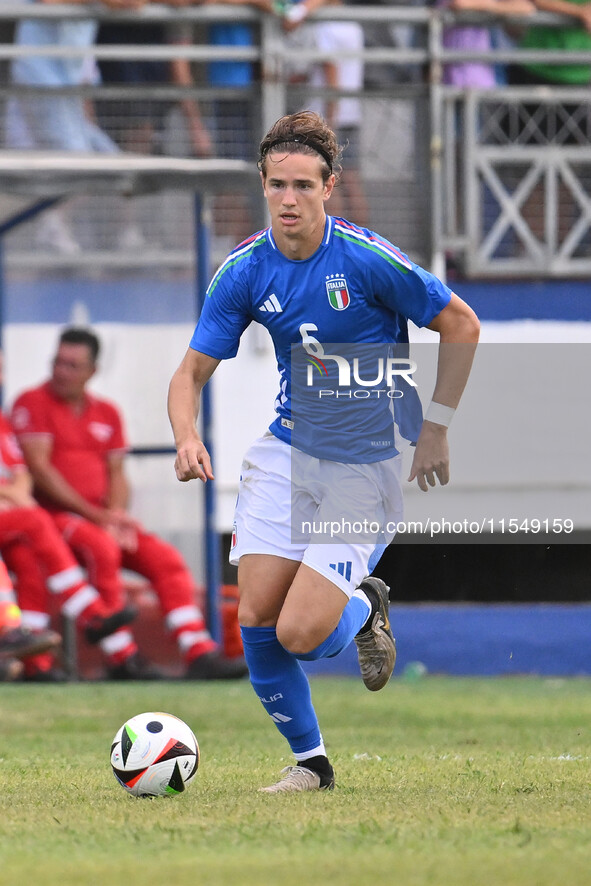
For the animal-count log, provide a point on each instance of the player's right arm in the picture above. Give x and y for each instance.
(184, 397)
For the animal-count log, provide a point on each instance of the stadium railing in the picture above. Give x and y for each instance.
(493, 205)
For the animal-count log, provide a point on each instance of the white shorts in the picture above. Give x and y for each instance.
(335, 518)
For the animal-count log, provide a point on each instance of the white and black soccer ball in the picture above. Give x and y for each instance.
(154, 755)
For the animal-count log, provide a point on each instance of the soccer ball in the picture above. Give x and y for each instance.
(154, 755)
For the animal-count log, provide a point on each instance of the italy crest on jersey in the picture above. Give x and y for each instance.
(338, 293)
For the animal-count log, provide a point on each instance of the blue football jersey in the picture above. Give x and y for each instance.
(337, 320)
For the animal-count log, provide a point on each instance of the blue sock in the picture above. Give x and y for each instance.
(282, 687)
(354, 616)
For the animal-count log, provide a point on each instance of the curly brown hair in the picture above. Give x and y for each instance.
(303, 133)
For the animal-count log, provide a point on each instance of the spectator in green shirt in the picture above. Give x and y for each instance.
(575, 37)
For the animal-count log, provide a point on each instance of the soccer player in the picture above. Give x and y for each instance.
(74, 445)
(312, 279)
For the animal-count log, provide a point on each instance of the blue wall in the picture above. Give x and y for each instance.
(483, 640)
(542, 300)
(147, 299)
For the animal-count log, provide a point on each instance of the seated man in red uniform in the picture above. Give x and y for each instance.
(74, 444)
(42, 562)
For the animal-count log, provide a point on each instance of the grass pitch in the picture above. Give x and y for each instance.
(450, 782)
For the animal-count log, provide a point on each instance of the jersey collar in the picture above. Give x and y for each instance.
(328, 229)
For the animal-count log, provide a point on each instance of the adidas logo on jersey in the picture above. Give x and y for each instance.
(271, 305)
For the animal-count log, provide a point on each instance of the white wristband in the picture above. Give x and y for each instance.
(440, 414)
(297, 13)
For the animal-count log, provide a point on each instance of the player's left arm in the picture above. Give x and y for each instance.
(459, 329)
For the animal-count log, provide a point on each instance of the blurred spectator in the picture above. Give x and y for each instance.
(479, 75)
(575, 37)
(344, 115)
(233, 117)
(55, 121)
(478, 38)
(398, 35)
(138, 124)
(74, 444)
(198, 135)
(540, 123)
(135, 123)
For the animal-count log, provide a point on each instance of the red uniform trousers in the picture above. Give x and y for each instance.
(35, 552)
(156, 560)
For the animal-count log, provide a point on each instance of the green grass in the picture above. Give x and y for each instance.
(444, 781)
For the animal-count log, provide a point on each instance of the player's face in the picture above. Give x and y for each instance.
(72, 368)
(296, 194)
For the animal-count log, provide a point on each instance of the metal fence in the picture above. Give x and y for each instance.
(518, 187)
(495, 182)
